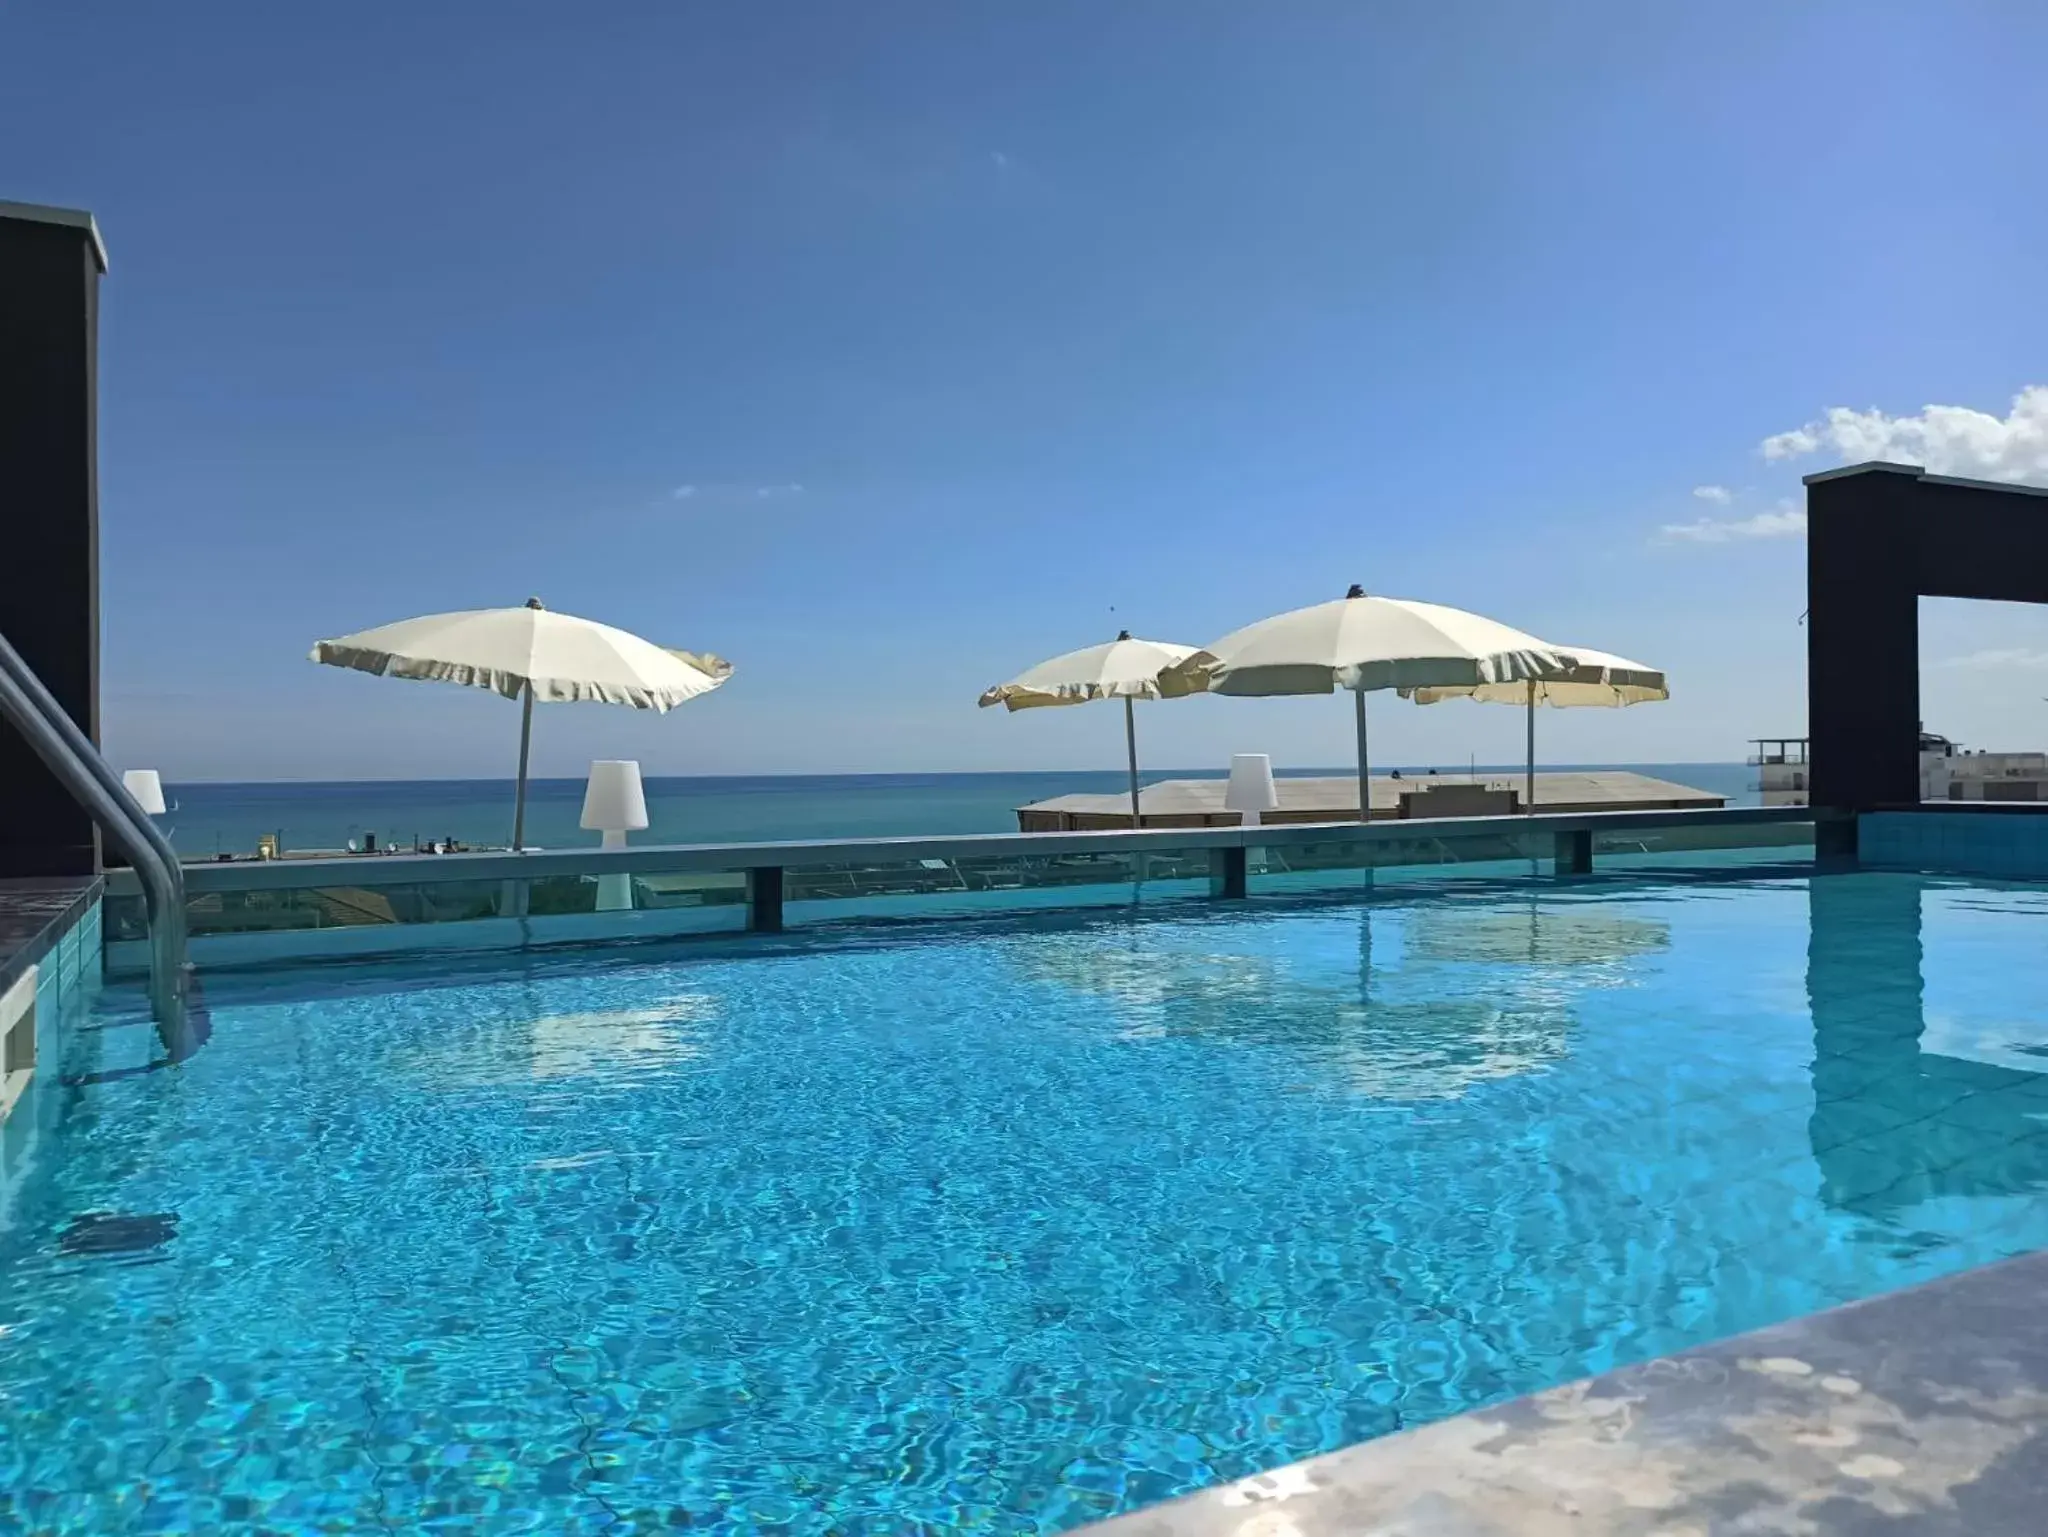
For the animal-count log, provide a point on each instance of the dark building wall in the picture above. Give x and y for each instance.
(49, 515)
(1878, 539)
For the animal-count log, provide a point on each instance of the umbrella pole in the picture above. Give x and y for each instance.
(525, 742)
(1529, 793)
(1364, 769)
(1131, 747)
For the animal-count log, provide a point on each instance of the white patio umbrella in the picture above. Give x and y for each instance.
(1361, 643)
(527, 654)
(1123, 669)
(1596, 678)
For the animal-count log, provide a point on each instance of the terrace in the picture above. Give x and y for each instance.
(1624, 1171)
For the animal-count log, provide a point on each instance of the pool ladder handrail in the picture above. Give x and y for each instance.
(70, 755)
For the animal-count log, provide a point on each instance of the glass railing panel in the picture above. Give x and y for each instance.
(993, 883)
(340, 907)
(343, 908)
(123, 916)
(1336, 866)
(693, 889)
(1704, 846)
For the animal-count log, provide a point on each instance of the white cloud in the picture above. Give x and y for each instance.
(1790, 445)
(1785, 521)
(1947, 440)
(1720, 496)
(999, 160)
(2002, 656)
(768, 492)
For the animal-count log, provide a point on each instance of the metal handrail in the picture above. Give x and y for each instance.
(70, 755)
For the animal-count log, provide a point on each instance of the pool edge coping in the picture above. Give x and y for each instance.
(1927, 1405)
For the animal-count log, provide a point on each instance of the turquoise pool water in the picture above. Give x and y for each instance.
(995, 1229)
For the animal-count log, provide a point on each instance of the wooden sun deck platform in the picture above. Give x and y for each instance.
(1199, 802)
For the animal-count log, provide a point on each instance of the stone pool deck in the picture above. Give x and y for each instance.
(1919, 1414)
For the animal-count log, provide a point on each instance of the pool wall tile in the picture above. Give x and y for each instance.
(2012, 846)
(47, 999)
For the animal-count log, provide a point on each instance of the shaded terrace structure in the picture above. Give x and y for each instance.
(1199, 802)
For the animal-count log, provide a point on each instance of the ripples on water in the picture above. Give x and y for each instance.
(1000, 1229)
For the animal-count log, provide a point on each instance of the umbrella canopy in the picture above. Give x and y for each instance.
(527, 654)
(1119, 669)
(1595, 678)
(1360, 643)
(508, 650)
(1598, 678)
(1123, 668)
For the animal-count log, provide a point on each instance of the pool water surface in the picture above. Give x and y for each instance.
(996, 1228)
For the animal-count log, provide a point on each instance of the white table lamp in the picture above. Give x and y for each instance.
(147, 786)
(614, 804)
(1250, 791)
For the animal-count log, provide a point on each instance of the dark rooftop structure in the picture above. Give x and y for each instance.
(1879, 538)
(51, 260)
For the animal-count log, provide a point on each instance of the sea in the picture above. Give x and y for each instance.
(210, 819)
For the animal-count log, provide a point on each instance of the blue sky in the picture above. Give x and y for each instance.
(979, 331)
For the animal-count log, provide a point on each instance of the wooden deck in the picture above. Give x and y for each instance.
(1199, 802)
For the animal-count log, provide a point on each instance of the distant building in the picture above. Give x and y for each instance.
(1947, 772)
(1780, 763)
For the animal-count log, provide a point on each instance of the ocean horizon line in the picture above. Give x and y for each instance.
(1339, 770)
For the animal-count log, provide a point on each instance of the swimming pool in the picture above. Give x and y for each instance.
(1001, 1228)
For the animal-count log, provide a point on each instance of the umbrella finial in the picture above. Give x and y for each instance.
(1356, 591)
(1123, 634)
(535, 603)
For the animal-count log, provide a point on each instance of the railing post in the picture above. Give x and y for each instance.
(1227, 873)
(1574, 853)
(1834, 841)
(764, 899)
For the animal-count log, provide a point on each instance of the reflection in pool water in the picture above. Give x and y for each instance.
(617, 1046)
(1413, 1029)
